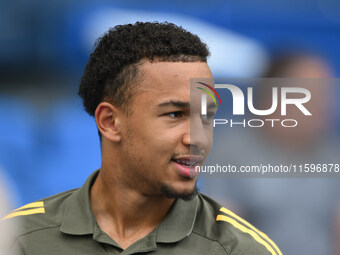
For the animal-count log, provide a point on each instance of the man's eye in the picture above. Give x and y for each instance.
(175, 114)
(209, 117)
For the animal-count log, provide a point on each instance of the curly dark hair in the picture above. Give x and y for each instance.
(113, 66)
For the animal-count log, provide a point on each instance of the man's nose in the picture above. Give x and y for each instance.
(198, 134)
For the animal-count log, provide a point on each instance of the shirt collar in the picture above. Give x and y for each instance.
(179, 222)
(78, 217)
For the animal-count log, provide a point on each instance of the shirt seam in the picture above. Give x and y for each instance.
(214, 240)
(37, 230)
(17, 238)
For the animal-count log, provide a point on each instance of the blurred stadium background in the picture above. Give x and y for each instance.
(47, 143)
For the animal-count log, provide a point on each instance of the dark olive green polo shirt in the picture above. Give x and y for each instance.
(65, 225)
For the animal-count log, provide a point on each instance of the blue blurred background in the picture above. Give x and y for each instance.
(47, 142)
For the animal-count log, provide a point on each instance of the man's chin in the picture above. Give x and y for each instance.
(170, 191)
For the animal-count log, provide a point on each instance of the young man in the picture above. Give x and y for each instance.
(144, 198)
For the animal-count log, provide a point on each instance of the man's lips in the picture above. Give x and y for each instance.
(189, 160)
(186, 165)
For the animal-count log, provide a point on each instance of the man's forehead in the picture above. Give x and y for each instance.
(171, 71)
(166, 83)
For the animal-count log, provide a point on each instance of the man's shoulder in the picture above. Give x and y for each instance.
(236, 235)
(39, 215)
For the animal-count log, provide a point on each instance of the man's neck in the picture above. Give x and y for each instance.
(125, 214)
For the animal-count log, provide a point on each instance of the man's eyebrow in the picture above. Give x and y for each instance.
(212, 105)
(179, 104)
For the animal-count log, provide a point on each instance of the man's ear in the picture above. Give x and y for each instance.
(108, 119)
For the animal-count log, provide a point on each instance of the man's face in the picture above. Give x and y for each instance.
(156, 142)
